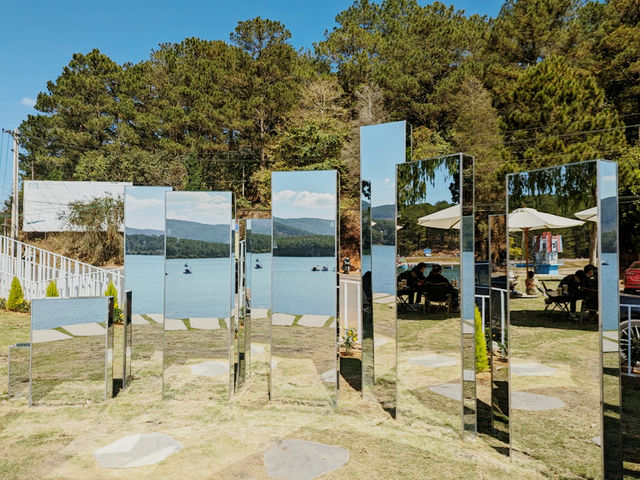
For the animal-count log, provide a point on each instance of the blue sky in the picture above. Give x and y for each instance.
(308, 194)
(210, 208)
(145, 207)
(39, 37)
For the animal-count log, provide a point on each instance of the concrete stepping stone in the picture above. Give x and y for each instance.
(468, 375)
(174, 324)
(156, 317)
(137, 450)
(313, 320)
(597, 440)
(274, 364)
(257, 349)
(282, 319)
(85, 329)
(259, 313)
(380, 295)
(205, 323)
(379, 341)
(293, 459)
(226, 321)
(43, 336)
(434, 360)
(211, 368)
(449, 390)
(388, 299)
(332, 324)
(138, 319)
(534, 402)
(532, 370)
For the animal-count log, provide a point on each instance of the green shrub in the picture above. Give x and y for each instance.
(16, 296)
(112, 291)
(482, 359)
(3, 303)
(52, 289)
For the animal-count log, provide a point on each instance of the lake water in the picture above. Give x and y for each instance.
(299, 290)
(52, 313)
(144, 277)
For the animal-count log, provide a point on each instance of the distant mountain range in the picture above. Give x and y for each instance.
(198, 231)
(299, 227)
(144, 231)
(384, 212)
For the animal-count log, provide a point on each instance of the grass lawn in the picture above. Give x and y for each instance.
(227, 439)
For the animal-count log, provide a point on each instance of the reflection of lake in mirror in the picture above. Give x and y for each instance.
(201, 293)
(58, 313)
(145, 278)
(301, 290)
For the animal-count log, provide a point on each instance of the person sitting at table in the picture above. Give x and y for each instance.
(590, 287)
(415, 281)
(574, 282)
(435, 277)
(531, 284)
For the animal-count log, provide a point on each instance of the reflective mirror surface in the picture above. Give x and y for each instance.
(428, 281)
(72, 350)
(304, 287)
(381, 148)
(258, 300)
(127, 342)
(560, 275)
(144, 276)
(198, 295)
(497, 341)
(18, 370)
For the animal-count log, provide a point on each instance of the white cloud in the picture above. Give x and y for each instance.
(387, 180)
(29, 102)
(284, 195)
(144, 203)
(314, 200)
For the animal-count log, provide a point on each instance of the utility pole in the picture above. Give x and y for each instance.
(14, 203)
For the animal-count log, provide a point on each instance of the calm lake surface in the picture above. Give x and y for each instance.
(52, 313)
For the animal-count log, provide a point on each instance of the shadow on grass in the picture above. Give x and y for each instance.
(540, 319)
(351, 372)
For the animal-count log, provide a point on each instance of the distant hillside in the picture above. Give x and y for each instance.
(384, 212)
(296, 227)
(144, 231)
(198, 231)
(261, 226)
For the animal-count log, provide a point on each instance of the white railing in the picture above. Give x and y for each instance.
(350, 303)
(36, 267)
(631, 330)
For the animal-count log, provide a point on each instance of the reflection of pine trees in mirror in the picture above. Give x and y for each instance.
(414, 179)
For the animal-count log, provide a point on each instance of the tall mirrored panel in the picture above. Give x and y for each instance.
(18, 370)
(71, 350)
(144, 277)
(242, 339)
(497, 340)
(381, 148)
(304, 287)
(563, 316)
(258, 300)
(127, 339)
(199, 288)
(428, 281)
(629, 251)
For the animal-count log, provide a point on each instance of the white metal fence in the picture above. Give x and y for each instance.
(36, 267)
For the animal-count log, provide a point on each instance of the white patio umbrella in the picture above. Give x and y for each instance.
(446, 219)
(525, 219)
(590, 214)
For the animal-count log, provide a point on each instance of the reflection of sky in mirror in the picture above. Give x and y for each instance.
(209, 208)
(308, 194)
(145, 207)
(438, 189)
(57, 312)
(381, 148)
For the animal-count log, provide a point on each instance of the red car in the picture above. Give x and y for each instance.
(632, 277)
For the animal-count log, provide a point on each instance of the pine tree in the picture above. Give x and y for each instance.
(482, 359)
(16, 296)
(52, 289)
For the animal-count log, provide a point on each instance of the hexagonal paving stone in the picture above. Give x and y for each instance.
(434, 360)
(313, 320)
(294, 459)
(449, 390)
(211, 368)
(532, 370)
(137, 450)
(85, 329)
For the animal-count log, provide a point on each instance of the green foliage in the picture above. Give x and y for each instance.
(118, 313)
(349, 340)
(139, 244)
(184, 248)
(52, 289)
(16, 296)
(482, 358)
(305, 246)
(96, 225)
